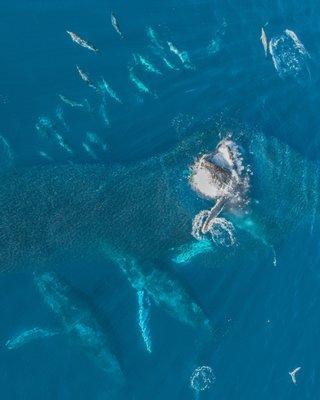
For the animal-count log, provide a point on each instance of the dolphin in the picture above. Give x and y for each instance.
(81, 42)
(115, 24)
(140, 216)
(264, 41)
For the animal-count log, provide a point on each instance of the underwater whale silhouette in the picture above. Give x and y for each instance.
(140, 216)
(77, 321)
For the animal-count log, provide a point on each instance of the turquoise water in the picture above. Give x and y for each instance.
(267, 316)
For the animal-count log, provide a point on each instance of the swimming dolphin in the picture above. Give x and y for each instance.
(84, 76)
(141, 216)
(81, 42)
(71, 103)
(115, 24)
(264, 41)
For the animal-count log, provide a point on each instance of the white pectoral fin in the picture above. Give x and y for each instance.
(213, 213)
(185, 254)
(144, 309)
(137, 280)
(29, 336)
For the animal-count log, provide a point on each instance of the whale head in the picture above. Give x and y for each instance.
(220, 173)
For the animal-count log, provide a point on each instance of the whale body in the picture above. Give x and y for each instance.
(132, 215)
(137, 215)
(78, 321)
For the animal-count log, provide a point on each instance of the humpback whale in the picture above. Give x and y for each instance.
(139, 216)
(220, 176)
(77, 322)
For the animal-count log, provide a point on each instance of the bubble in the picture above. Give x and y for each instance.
(222, 231)
(182, 122)
(289, 55)
(202, 378)
(197, 224)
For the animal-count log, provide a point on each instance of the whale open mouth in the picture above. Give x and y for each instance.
(219, 176)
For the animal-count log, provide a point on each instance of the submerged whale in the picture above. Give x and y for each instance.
(139, 216)
(76, 320)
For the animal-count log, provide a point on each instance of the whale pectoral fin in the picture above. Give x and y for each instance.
(144, 309)
(213, 213)
(166, 291)
(138, 280)
(29, 336)
(187, 252)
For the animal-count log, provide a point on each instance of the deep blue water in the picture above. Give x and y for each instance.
(273, 311)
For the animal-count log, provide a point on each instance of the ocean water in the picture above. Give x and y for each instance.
(267, 316)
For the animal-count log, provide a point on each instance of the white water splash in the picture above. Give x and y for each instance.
(289, 55)
(197, 224)
(144, 306)
(202, 378)
(222, 231)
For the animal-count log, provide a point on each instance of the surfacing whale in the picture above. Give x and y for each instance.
(221, 176)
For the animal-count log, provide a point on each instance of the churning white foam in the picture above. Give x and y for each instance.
(222, 231)
(288, 54)
(202, 378)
